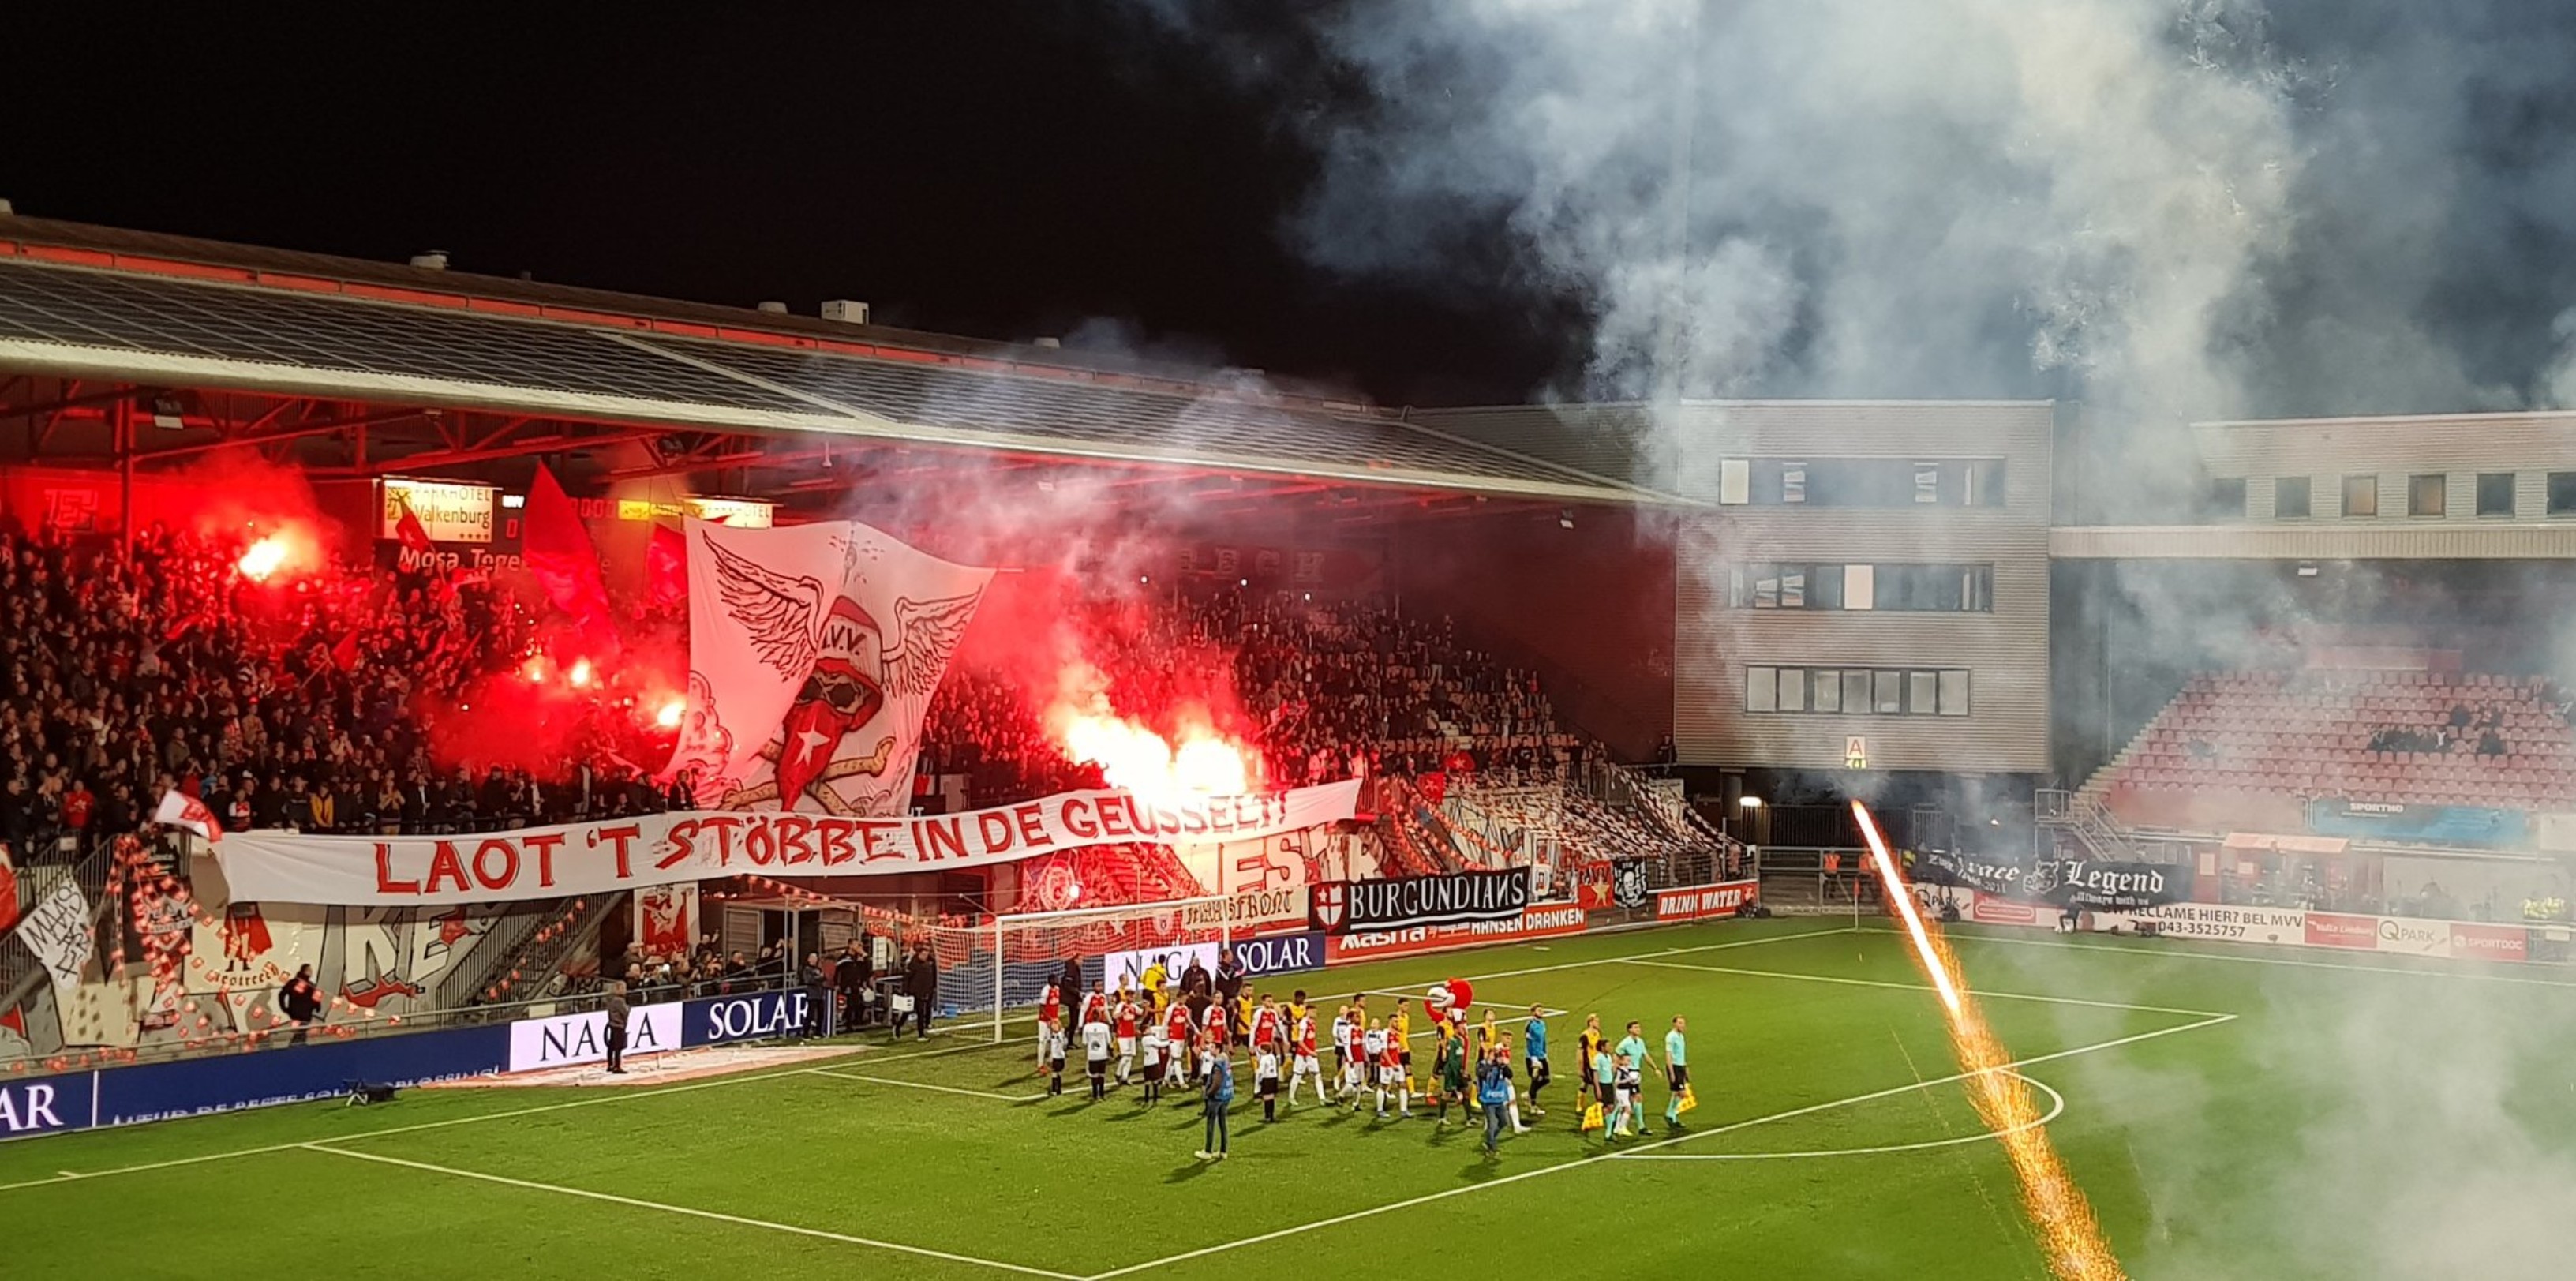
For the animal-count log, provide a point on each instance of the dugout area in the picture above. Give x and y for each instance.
(1832, 1140)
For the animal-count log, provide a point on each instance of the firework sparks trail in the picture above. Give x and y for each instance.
(2058, 1210)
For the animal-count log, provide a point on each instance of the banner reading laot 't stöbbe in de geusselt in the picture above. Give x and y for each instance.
(587, 858)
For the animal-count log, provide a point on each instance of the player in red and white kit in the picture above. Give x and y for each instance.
(1126, 1015)
(1390, 1072)
(1176, 1060)
(1217, 1026)
(1269, 1028)
(1302, 1063)
(1095, 1007)
(1050, 1020)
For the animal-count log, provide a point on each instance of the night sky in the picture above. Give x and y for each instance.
(994, 170)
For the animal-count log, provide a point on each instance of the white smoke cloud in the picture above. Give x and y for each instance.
(2163, 206)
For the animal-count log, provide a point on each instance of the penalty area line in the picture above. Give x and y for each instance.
(690, 1212)
(1980, 993)
(925, 1085)
(1584, 1161)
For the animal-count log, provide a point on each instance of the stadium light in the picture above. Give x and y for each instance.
(1749, 802)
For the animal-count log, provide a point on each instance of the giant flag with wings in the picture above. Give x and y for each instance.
(813, 650)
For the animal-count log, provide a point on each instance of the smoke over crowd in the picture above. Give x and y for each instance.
(2170, 210)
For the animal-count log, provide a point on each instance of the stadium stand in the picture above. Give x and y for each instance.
(2399, 737)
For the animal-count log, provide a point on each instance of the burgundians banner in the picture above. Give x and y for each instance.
(1455, 898)
(2091, 884)
(694, 845)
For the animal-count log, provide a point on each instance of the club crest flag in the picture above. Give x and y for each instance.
(813, 650)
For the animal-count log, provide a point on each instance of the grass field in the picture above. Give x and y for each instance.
(1832, 1140)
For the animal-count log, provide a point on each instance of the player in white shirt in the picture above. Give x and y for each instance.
(1053, 1035)
(1095, 1055)
(1373, 1048)
(1302, 1066)
(1155, 1047)
(1265, 1079)
(1346, 1060)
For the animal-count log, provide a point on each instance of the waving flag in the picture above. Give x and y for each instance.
(178, 809)
(813, 650)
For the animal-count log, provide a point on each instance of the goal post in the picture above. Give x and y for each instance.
(1010, 959)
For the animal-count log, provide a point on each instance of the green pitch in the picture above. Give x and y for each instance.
(1832, 1140)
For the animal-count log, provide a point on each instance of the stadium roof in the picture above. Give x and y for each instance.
(96, 304)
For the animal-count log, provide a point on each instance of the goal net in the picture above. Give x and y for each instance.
(1004, 964)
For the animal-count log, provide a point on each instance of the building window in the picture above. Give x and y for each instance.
(2361, 495)
(1927, 482)
(1793, 482)
(1943, 589)
(1985, 482)
(1793, 689)
(2562, 493)
(2290, 497)
(2426, 496)
(1857, 691)
(2227, 497)
(2495, 493)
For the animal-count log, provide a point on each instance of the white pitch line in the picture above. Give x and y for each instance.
(2056, 1109)
(2195, 954)
(616, 1096)
(1581, 1162)
(691, 1212)
(1980, 993)
(925, 1085)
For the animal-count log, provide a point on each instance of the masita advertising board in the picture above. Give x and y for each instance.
(1532, 923)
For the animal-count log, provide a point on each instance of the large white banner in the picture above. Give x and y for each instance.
(813, 651)
(694, 845)
(57, 931)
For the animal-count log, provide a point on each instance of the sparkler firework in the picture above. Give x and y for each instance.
(2058, 1210)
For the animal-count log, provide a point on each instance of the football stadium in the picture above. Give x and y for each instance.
(514, 778)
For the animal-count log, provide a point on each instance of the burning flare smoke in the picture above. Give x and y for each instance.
(2058, 1211)
(1197, 760)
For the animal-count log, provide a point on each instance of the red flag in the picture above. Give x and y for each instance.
(411, 533)
(560, 554)
(345, 654)
(1434, 785)
(666, 561)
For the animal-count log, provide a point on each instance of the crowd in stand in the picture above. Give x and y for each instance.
(313, 702)
(1329, 689)
(126, 669)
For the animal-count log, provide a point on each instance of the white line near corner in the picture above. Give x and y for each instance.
(2195, 954)
(620, 1096)
(1980, 993)
(1581, 1162)
(690, 1212)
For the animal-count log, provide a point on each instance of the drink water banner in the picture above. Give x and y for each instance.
(1704, 902)
(693, 845)
(2463, 825)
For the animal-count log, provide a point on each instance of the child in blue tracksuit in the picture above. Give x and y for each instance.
(1219, 1088)
(1494, 1091)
